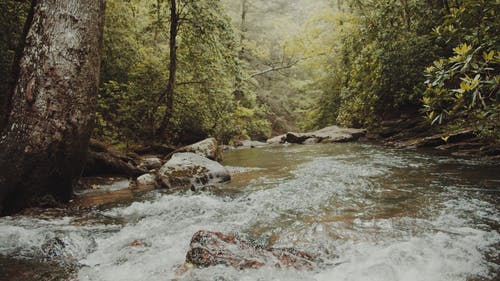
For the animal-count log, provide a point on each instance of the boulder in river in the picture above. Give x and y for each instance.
(208, 148)
(150, 163)
(214, 248)
(191, 171)
(146, 181)
(325, 135)
(297, 137)
(251, 144)
(277, 139)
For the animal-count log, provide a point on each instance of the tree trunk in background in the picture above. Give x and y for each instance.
(165, 129)
(238, 85)
(43, 147)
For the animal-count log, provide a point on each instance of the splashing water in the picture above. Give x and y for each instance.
(369, 213)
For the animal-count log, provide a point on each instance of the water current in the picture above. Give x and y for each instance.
(369, 212)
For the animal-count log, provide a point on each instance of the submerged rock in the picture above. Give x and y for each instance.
(191, 171)
(214, 248)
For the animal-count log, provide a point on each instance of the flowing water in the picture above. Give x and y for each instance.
(370, 213)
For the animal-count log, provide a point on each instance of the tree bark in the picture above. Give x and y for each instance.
(43, 147)
(166, 123)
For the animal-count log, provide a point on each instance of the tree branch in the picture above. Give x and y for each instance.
(191, 82)
(281, 67)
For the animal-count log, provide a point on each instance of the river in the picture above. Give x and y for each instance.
(369, 212)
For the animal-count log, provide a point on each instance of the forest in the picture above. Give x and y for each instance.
(95, 94)
(252, 69)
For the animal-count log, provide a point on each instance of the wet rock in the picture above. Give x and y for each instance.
(338, 134)
(460, 146)
(64, 249)
(277, 139)
(191, 171)
(312, 141)
(54, 248)
(14, 269)
(150, 163)
(326, 135)
(208, 148)
(147, 181)
(435, 140)
(214, 248)
(297, 137)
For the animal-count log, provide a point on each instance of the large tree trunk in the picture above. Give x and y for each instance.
(43, 148)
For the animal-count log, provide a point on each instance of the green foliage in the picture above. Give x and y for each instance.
(465, 89)
(135, 74)
(462, 89)
(381, 50)
(375, 66)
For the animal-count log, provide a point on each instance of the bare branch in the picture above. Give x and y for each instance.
(282, 67)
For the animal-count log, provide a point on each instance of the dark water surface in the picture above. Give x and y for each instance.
(369, 212)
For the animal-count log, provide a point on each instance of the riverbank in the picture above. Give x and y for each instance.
(413, 133)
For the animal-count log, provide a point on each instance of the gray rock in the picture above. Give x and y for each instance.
(209, 248)
(207, 148)
(326, 135)
(311, 141)
(191, 171)
(146, 181)
(338, 134)
(151, 163)
(252, 144)
(277, 139)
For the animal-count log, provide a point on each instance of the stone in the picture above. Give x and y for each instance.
(252, 144)
(189, 170)
(209, 248)
(147, 181)
(277, 139)
(297, 137)
(435, 140)
(338, 134)
(326, 135)
(312, 141)
(208, 148)
(150, 163)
